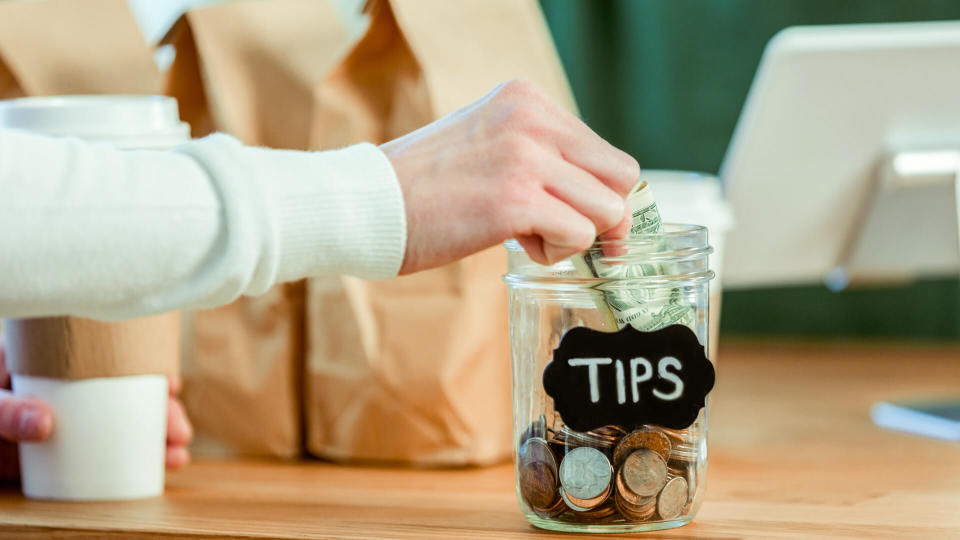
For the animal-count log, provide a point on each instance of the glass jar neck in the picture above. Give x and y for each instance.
(677, 256)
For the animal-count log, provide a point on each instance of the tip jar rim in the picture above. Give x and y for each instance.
(678, 243)
(671, 231)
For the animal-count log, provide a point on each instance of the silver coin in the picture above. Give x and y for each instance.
(642, 474)
(585, 473)
(673, 498)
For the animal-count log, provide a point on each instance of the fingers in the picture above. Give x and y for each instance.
(179, 430)
(617, 233)
(175, 384)
(535, 113)
(179, 434)
(582, 147)
(533, 245)
(561, 230)
(24, 419)
(4, 374)
(177, 457)
(580, 190)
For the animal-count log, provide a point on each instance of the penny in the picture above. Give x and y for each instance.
(685, 453)
(585, 473)
(601, 512)
(608, 434)
(537, 449)
(585, 504)
(572, 504)
(587, 438)
(538, 485)
(677, 467)
(673, 498)
(537, 472)
(641, 438)
(558, 508)
(611, 430)
(642, 474)
(635, 512)
(537, 428)
(559, 448)
(677, 436)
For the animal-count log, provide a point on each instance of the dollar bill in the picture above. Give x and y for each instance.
(645, 309)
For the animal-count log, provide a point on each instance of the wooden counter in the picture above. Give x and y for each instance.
(792, 455)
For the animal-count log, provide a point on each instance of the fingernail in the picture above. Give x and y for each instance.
(34, 424)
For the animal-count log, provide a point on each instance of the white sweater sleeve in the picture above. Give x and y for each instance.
(92, 231)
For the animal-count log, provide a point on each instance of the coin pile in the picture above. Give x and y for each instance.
(608, 474)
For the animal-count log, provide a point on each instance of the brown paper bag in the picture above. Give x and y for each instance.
(416, 370)
(248, 68)
(52, 47)
(55, 47)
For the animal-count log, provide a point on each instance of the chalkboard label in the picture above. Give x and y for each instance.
(629, 378)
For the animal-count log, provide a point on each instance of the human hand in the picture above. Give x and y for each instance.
(179, 430)
(512, 165)
(25, 419)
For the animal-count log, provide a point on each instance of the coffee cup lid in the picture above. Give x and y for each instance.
(125, 120)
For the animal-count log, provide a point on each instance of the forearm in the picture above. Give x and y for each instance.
(91, 231)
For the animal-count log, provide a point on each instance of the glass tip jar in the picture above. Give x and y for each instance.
(610, 378)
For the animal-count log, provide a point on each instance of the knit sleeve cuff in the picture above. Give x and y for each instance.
(335, 212)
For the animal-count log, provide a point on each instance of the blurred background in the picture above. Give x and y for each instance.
(666, 79)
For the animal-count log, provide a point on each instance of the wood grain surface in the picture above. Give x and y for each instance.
(793, 454)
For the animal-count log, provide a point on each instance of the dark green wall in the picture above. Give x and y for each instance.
(665, 80)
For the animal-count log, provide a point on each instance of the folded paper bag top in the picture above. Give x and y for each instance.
(73, 348)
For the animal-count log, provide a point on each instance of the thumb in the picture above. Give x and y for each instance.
(24, 419)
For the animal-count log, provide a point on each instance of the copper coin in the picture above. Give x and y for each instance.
(677, 467)
(635, 512)
(677, 436)
(537, 428)
(536, 449)
(558, 508)
(587, 438)
(538, 485)
(687, 453)
(537, 472)
(581, 505)
(641, 438)
(602, 512)
(571, 504)
(611, 429)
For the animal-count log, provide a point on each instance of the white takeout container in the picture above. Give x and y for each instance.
(687, 197)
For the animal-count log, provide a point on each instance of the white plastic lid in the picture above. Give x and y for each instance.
(128, 121)
(686, 197)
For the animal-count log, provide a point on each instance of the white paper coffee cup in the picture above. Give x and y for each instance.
(108, 441)
(105, 382)
(686, 197)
